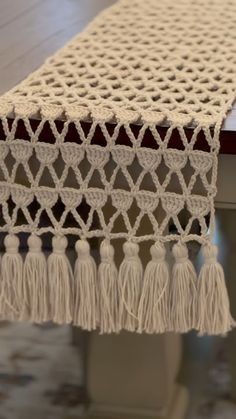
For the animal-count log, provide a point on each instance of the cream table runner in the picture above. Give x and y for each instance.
(139, 65)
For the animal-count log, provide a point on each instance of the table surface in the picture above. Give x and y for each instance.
(31, 30)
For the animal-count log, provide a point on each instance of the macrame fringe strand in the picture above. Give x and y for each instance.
(153, 301)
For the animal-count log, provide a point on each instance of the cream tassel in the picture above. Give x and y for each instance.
(214, 316)
(35, 282)
(85, 314)
(108, 291)
(130, 283)
(11, 284)
(60, 280)
(153, 311)
(182, 291)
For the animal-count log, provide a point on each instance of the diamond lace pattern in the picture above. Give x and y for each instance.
(87, 112)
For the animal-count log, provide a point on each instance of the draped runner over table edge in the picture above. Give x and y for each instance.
(139, 65)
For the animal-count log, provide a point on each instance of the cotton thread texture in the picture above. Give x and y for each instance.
(138, 66)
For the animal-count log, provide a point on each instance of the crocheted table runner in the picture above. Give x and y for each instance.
(85, 115)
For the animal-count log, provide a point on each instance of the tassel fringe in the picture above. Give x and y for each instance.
(182, 291)
(60, 277)
(108, 296)
(130, 285)
(40, 290)
(154, 301)
(35, 282)
(11, 280)
(213, 302)
(85, 301)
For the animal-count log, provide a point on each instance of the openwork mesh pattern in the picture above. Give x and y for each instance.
(124, 121)
(129, 179)
(139, 62)
(162, 56)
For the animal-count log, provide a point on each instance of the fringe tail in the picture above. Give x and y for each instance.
(182, 291)
(108, 290)
(153, 307)
(85, 295)
(61, 282)
(11, 296)
(214, 316)
(130, 283)
(35, 282)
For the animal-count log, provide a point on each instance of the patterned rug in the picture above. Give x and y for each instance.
(40, 373)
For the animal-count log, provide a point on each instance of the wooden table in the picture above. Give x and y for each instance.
(31, 30)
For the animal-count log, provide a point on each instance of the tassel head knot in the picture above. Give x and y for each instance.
(82, 248)
(11, 243)
(158, 252)
(106, 251)
(210, 253)
(180, 252)
(34, 243)
(59, 244)
(131, 250)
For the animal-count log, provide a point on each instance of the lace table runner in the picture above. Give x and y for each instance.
(85, 116)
